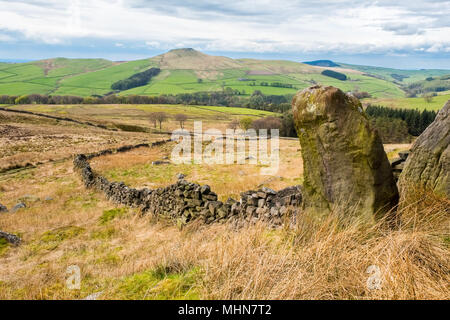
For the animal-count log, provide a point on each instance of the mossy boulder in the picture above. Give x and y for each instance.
(343, 157)
(428, 163)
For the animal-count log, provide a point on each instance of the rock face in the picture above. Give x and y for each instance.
(343, 157)
(428, 164)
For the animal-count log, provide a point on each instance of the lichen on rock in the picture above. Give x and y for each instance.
(428, 163)
(344, 159)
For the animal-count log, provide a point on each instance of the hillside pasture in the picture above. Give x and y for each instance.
(412, 103)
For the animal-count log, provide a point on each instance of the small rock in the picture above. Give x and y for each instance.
(211, 196)
(261, 203)
(159, 162)
(180, 176)
(3, 208)
(205, 189)
(214, 205)
(18, 206)
(261, 194)
(11, 238)
(48, 199)
(268, 190)
(274, 211)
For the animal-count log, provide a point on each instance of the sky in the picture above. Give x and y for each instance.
(407, 34)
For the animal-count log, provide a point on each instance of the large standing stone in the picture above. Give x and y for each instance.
(428, 163)
(343, 157)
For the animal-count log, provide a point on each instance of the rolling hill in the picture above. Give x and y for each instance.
(188, 71)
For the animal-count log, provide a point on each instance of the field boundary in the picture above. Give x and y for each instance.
(185, 201)
(100, 126)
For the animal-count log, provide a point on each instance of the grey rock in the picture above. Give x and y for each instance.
(3, 208)
(11, 238)
(18, 206)
(261, 203)
(159, 162)
(180, 176)
(343, 156)
(428, 164)
(211, 196)
(274, 211)
(261, 194)
(268, 190)
(205, 189)
(213, 206)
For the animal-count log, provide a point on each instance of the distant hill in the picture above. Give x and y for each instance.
(188, 70)
(322, 63)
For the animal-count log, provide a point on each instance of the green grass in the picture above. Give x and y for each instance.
(161, 283)
(85, 77)
(109, 215)
(99, 82)
(43, 77)
(20, 88)
(50, 240)
(3, 246)
(412, 103)
(386, 73)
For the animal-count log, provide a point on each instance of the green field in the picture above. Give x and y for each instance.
(412, 103)
(386, 73)
(189, 71)
(45, 76)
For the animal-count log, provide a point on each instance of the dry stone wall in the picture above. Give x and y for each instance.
(185, 201)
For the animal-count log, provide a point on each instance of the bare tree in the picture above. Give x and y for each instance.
(267, 123)
(160, 117)
(181, 118)
(152, 119)
(428, 97)
(234, 124)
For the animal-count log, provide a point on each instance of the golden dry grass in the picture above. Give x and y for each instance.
(323, 258)
(135, 169)
(318, 258)
(126, 256)
(31, 139)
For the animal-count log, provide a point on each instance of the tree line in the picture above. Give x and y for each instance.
(136, 80)
(334, 74)
(394, 125)
(416, 121)
(228, 97)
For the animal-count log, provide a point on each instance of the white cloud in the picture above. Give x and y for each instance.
(249, 26)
